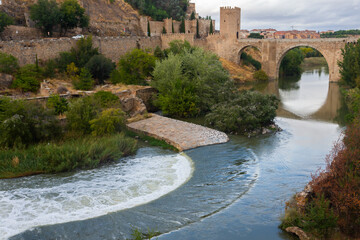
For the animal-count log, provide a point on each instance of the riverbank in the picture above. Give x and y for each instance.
(313, 62)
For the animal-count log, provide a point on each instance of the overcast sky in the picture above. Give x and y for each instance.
(283, 14)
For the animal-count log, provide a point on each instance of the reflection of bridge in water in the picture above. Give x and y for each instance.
(327, 112)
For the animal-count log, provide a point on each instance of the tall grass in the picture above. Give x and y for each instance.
(71, 155)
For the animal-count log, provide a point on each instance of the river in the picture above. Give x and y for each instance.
(235, 190)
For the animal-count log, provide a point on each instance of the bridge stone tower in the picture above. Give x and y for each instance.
(230, 21)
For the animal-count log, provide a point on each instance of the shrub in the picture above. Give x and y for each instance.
(84, 81)
(80, 113)
(83, 52)
(28, 78)
(60, 105)
(71, 70)
(106, 99)
(350, 65)
(245, 112)
(261, 76)
(115, 76)
(290, 65)
(158, 53)
(8, 63)
(72, 15)
(188, 83)
(49, 69)
(136, 66)
(249, 60)
(25, 123)
(100, 67)
(110, 121)
(65, 59)
(5, 20)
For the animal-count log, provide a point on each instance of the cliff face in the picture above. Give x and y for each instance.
(106, 18)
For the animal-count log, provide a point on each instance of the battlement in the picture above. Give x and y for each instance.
(229, 8)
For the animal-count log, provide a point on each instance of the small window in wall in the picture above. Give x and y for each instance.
(237, 35)
(189, 31)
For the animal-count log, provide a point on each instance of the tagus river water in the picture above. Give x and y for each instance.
(235, 190)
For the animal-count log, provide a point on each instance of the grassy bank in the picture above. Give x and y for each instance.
(314, 62)
(84, 153)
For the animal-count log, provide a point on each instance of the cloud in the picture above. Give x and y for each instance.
(283, 14)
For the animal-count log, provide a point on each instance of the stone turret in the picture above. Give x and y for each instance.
(230, 21)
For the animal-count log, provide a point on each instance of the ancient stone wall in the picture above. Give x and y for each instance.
(167, 38)
(45, 49)
(20, 33)
(230, 21)
(156, 28)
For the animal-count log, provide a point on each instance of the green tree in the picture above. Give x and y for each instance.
(172, 27)
(83, 52)
(148, 29)
(163, 30)
(256, 35)
(350, 65)
(59, 104)
(110, 121)
(182, 26)
(136, 66)
(100, 67)
(197, 29)
(159, 53)
(290, 65)
(46, 15)
(211, 31)
(8, 63)
(72, 15)
(5, 20)
(192, 16)
(28, 78)
(84, 81)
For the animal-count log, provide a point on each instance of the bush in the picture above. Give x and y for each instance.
(8, 63)
(158, 53)
(136, 66)
(83, 52)
(5, 20)
(71, 155)
(243, 113)
(110, 121)
(261, 76)
(106, 99)
(115, 76)
(84, 81)
(64, 60)
(28, 78)
(49, 69)
(188, 83)
(256, 35)
(100, 67)
(290, 65)
(249, 60)
(60, 105)
(25, 123)
(80, 113)
(350, 65)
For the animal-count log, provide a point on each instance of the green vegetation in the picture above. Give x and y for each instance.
(248, 60)
(5, 20)
(211, 31)
(59, 104)
(151, 141)
(182, 26)
(84, 81)
(290, 65)
(261, 76)
(350, 66)
(8, 63)
(256, 36)
(71, 155)
(159, 10)
(134, 68)
(138, 235)
(47, 15)
(108, 122)
(28, 78)
(192, 16)
(197, 29)
(100, 67)
(192, 82)
(341, 34)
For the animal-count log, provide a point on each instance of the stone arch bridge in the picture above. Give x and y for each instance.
(273, 50)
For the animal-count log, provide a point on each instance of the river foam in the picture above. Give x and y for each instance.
(46, 200)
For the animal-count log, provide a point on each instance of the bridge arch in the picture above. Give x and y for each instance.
(283, 52)
(242, 49)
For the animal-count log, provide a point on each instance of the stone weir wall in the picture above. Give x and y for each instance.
(45, 49)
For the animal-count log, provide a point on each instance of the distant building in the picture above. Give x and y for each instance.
(295, 34)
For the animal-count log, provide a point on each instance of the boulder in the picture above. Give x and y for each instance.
(298, 232)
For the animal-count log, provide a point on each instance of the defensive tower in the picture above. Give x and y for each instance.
(230, 21)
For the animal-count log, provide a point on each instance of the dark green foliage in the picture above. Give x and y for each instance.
(5, 20)
(8, 63)
(148, 29)
(197, 29)
(100, 67)
(179, 47)
(81, 112)
(172, 27)
(182, 26)
(290, 65)
(28, 78)
(352, 98)
(84, 81)
(309, 52)
(192, 16)
(261, 76)
(159, 10)
(46, 14)
(59, 104)
(82, 153)
(106, 99)
(256, 35)
(25, 123)
(151, 141)
(244, 112)
(211, 31)
(188, 83)
(115, 76)
(341, 34)
(109, 121)
(350, 65)
(158, 53)
(72, 15)
(135, 67)
(163, 30)
(64, 60)
(49, 69)
(249, 60)
(83, 51)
